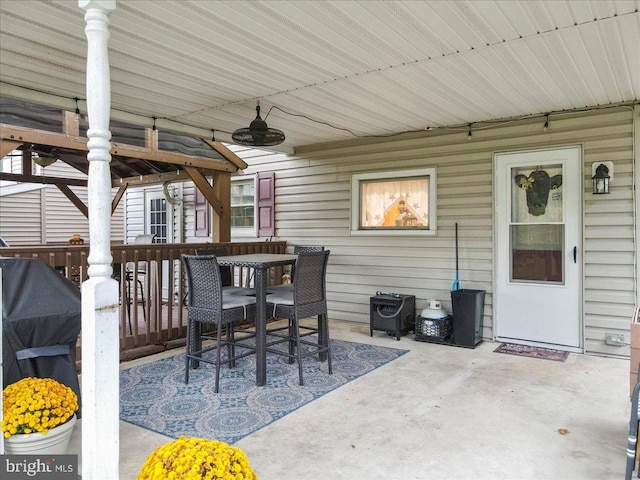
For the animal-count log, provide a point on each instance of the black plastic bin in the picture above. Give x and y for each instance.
(468, 311)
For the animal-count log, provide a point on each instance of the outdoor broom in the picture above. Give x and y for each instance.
(456, 282)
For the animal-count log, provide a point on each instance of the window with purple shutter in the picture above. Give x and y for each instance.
(266, 204)
(201, 214)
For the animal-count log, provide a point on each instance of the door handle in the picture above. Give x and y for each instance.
(575, 254)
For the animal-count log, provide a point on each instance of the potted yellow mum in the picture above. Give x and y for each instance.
(197, 459)
(38, 416)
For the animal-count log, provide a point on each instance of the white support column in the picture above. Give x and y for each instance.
(100, 335)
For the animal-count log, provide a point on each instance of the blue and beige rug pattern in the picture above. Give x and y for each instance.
(154, 395)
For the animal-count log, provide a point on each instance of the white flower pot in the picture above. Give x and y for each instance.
(55, 441)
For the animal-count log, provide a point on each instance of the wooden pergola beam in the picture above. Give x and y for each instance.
(74, 198)
(226, 153)
(179, 175)
(8, 146)
(63, 184)
(117, 197)
(17, 135)
(207, 190)
(17, 177)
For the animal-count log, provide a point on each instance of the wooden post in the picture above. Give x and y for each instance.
(221, 231)
(100, 336)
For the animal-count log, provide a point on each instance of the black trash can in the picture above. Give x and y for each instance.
(468, 311)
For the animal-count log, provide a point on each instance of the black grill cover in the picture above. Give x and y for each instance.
(41, 319)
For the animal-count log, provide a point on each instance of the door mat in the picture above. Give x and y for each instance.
(535, 352)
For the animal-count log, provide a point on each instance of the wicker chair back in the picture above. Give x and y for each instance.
(204, 285)
(225, 272)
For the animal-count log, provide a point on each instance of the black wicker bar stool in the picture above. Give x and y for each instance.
(208, 305)
(307, 298)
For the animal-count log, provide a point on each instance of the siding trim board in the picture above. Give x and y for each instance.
(636, 183)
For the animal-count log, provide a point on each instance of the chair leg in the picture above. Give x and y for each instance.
(298, 349)
(231, 347)
(128, 300)
(144, 304)
(187, 360)
(129, 315)
(322, 333)
(218, 355)
(293, 340)
(326, 341)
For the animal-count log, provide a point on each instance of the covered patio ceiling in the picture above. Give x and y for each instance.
(331, 70)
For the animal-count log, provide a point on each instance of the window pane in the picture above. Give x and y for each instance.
(537, 253)
(536, 194)
(158, 219)
(242, 193)
(395, 203)
(242, 203)
(242, 216)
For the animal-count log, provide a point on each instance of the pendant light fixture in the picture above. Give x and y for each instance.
(258, 134)
(41, 155)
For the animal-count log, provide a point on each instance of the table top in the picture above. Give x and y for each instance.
(257, 260)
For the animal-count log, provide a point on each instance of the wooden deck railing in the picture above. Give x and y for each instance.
(152, 289)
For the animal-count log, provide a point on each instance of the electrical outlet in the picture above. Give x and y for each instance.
(615, 339)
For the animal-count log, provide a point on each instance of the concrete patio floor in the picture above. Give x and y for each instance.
(440, 412)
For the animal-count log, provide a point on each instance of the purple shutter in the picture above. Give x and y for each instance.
(202, 214)
(266, 204)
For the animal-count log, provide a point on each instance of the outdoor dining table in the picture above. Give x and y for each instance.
(260, 262)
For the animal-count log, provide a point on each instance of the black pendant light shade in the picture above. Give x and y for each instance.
(42, 155)
(258, 134)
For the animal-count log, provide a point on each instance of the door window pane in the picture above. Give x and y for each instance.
(536, 194)
(537, 253)
(158, 219)
(537, 231)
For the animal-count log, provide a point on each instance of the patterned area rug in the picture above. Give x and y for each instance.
(535, 352)
(155, 397)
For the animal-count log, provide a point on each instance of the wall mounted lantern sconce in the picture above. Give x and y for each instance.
(601, 177)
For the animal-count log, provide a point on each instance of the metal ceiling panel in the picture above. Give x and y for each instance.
(332, 70)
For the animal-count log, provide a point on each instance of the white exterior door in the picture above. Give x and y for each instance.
(159, 220)
(539, 247)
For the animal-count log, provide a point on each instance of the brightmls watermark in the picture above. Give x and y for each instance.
(39, 467)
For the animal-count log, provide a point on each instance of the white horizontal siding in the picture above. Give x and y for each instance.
(313, 207)
(188, 201)
(20, 218)
(31, 217)
(62, 218)
(134, 199)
